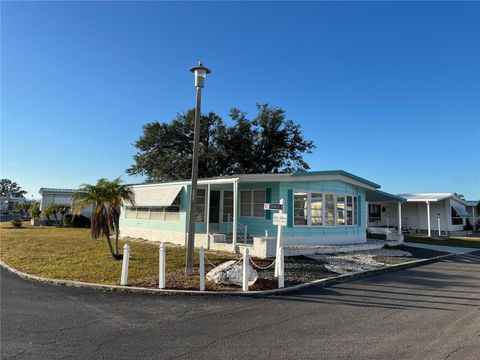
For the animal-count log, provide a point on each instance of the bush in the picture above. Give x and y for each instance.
(78, 221)
(16, 223)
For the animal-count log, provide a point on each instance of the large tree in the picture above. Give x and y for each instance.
(268, 143)
(8, 188)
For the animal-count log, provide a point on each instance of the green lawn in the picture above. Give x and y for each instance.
(473, 242)
(70, 253)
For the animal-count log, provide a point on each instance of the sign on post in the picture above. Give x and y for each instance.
(280, 219)
(268, 206)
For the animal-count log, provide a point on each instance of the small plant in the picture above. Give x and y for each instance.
(35, 211)
(16, 223)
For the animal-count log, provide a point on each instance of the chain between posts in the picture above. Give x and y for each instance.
(263, 268)
(211, 263)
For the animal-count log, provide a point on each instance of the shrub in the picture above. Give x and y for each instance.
(67, 220)
(78, 221)
(16, 223)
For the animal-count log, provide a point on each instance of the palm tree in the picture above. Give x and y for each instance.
(107, 198)
(119, 195)
(23, 209)
(63, 209)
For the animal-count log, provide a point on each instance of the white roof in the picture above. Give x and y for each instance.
(472, 202)
(56, 191)
(156, 195)
(422, 197)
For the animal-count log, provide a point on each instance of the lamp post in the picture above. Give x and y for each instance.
(200, 72)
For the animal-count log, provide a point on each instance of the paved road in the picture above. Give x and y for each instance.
(429, 312)
(450, 249)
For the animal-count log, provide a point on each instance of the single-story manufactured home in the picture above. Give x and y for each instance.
(60, 196)
(322, 207)
(429, 213)
(8, 203)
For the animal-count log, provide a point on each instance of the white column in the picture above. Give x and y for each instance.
(235, 215)
(438, 224)
(428, 220)
(279, 244)
(399, 218)
(208, 211)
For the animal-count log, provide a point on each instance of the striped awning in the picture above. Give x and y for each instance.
(156, 196)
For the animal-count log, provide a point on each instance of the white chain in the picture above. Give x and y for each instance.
(205, 257)
(263, 268)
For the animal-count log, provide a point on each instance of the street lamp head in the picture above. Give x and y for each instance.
(200, 73)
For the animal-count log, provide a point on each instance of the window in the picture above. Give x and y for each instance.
(251, 203)
(300, 208)
(143, 213)
(227, 205)
(329, 209)
(340, 210)
(162, 213)
(130, 213)
(316, 203)
(200, 206)
(456, 218)
(349, 210)
(374, 213)
(317, 209)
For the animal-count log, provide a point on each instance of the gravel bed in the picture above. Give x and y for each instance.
(301, 269)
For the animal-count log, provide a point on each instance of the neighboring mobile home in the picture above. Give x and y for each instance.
(60, 196)
(324, 207)
(473, 211)
(429, 213)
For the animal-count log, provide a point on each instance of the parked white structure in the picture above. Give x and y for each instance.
(429, 213)
(59, 196)
(472, 209)
(8, 203)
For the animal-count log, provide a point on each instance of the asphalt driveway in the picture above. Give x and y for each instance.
(429, 312)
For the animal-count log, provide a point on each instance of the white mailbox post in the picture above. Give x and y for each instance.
(279, 219)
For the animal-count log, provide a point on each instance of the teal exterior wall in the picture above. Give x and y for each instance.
(257, 226)
(173, 226)
(281, 190)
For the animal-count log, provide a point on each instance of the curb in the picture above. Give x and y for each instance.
(317, 283)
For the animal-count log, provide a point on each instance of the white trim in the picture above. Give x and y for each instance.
(252, 203)
(335, 215)
(235, 216)
(207, 227)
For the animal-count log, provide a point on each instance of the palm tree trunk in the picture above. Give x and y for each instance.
(111, 247)
(116, 239)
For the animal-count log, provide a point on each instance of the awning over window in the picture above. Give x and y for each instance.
(156, 196)
(460, 211)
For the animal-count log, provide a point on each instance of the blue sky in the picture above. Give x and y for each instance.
(387, 90)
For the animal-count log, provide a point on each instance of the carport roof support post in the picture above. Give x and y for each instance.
(429, 230)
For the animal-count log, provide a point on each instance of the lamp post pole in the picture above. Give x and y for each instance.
(200, 73)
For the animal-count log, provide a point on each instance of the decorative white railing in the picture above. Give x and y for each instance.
(242, 227)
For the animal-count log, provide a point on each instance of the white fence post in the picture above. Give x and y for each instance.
(245, 270)
(201, 254)
(161, 266)
(245, 233)
(279, 242)
(281, 269)
(126, 258)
